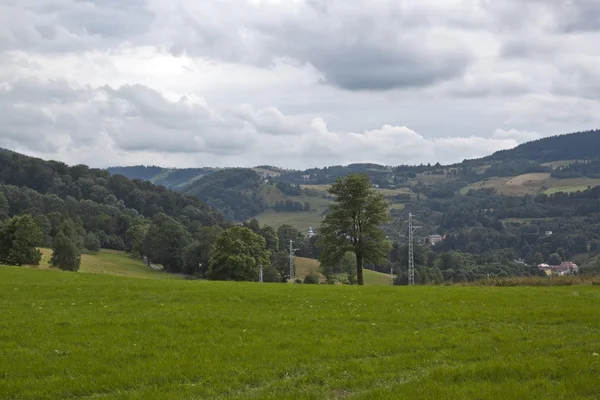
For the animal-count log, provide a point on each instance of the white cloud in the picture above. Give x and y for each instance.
(518, 136)
(294, 83)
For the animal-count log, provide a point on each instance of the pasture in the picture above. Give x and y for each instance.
(81, 335)
(113, 263)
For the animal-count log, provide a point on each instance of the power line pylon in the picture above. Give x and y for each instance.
(411, 257)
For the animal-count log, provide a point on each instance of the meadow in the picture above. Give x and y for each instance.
(86, 335)
(532, 184)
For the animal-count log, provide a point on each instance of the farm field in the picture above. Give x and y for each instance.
(66, 335)
(532, 184)
(300, 220)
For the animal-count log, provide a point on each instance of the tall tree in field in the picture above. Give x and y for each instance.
(164, 243)
(353, 224)
(18, 238)
(66, 248)
(237, 255)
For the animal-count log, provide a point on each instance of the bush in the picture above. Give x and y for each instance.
(298, 280)
(311, 278)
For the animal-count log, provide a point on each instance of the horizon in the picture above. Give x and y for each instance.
(284, 168)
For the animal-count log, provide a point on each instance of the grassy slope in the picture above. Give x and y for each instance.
(372, 278)
(299, 219)
(66, 335)
(113, 263)
(532, 184)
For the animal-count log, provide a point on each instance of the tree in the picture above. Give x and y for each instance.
(285, 233)
(281, 262)
(554, 259)
(271, 238)
(353, 223)
(237, 255)
(165, 241)
(3, 207)
(196, 256)
(135, 238)
(91, 242)
(66, 248)
(18, 238)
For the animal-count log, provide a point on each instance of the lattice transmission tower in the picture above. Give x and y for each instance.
(411, 257)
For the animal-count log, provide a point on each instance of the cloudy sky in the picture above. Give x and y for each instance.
(293, 83)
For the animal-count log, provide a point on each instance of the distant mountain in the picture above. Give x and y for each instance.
(572, 146)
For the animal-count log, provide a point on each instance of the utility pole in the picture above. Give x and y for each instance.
(411, 257)
(292, 250)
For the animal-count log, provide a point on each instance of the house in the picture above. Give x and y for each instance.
(375, 185)
(306, 177)
(433, 239)
(565, 268)
(548, 233)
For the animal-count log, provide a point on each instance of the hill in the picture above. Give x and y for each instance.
(111, 262)
(70, 335)
(573, 146)
(98, 203)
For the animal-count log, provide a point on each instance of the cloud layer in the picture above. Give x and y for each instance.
(293, 83)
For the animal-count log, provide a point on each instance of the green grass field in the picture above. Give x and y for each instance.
(113, 263)
(304, 266)
(79, 335)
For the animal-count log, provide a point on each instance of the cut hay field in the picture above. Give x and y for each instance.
(75, 335)
(532, 184)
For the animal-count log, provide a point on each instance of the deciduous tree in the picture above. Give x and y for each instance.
(18, 238)
(354, 224)
(237, 255)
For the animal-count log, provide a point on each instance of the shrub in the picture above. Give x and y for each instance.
(311, 278)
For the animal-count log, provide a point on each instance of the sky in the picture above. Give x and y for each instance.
(293, 83)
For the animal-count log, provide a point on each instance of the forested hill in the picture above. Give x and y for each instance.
(96, 202)
(573, 146)
(236, 192)
(171, 178)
